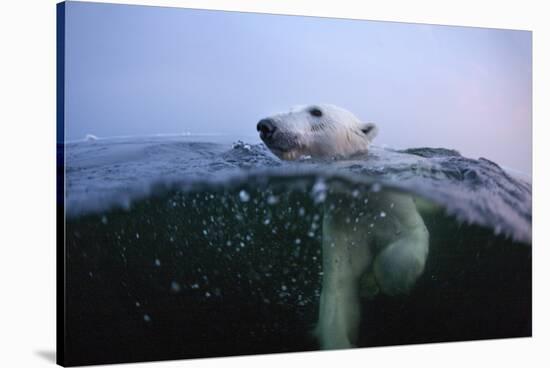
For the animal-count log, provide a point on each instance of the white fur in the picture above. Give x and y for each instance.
(364, 251)
(337, 133)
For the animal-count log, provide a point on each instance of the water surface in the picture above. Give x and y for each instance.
(183, 247)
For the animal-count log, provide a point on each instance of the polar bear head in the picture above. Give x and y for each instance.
(318, 131)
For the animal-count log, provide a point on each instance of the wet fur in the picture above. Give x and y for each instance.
(373, 254)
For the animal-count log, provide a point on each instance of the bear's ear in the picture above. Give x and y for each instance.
(370, 130)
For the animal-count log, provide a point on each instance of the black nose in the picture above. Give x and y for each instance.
(266, 127)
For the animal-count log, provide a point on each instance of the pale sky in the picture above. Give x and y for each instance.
(136, 70)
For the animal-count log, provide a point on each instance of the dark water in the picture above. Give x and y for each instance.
(184, 249)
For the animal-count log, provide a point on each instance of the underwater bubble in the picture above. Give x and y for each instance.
(301, 211)
(272, 200)
(382, 214)
(157, 262)
(297, 241)
(267, 221)
(138, 304)
(244, 196)
(319, 191)
(355, 193)
(207, 294)
(376, 187)
(175, 287)
(104, 220)
(137, 235)
(195, 286)
(146, 318)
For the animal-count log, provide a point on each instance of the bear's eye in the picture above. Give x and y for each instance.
(316, 112)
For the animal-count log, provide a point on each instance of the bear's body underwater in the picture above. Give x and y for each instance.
(388, 257)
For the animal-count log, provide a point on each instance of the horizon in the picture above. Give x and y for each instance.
(141, 70)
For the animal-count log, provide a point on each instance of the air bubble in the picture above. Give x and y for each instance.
(272, 200)
(175, 287)
(244, 196)
(319, 191)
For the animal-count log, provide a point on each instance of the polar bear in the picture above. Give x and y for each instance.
(380, 246)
